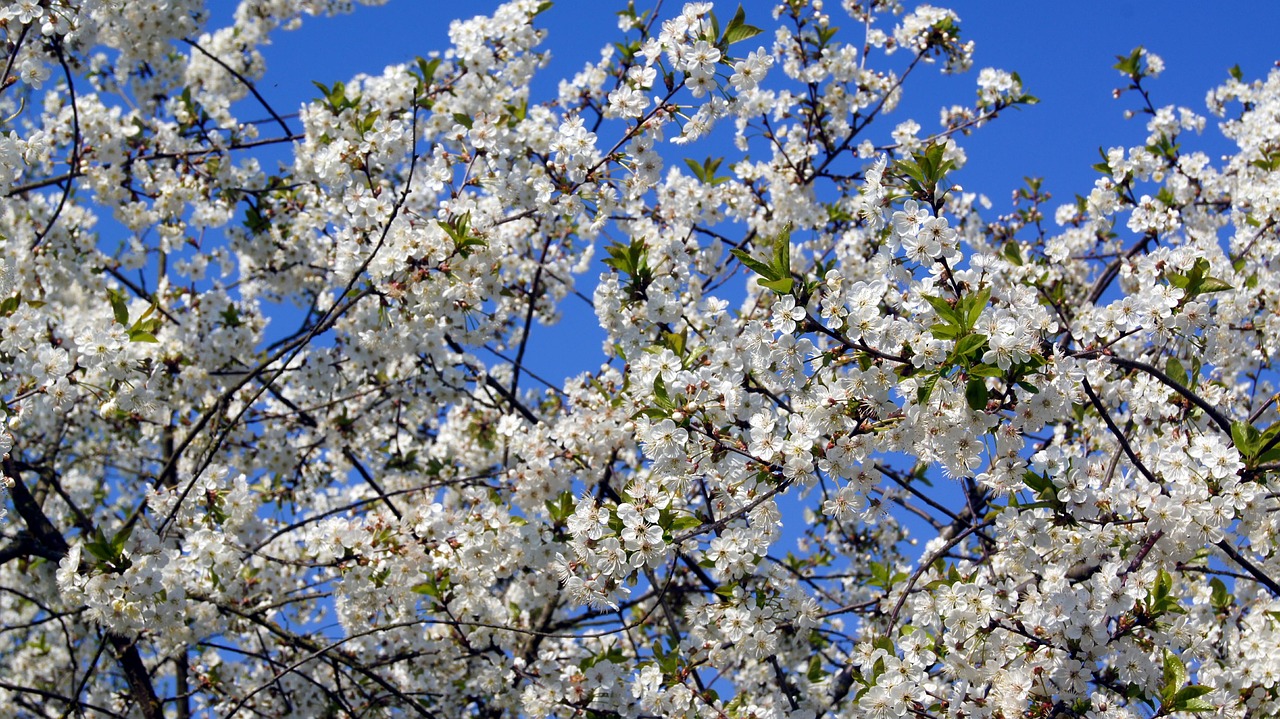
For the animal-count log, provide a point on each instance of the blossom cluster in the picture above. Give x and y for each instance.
(274, 442)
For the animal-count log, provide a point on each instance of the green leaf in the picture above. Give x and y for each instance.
(705, 171)
(561, 507)
(826, 33)
(782, 252)
(740, 33)
(944, 308)
(677, 343)
(1191, 691)
(1271, 456)
(696, 168)
(1197, 281)
(660, 393)
(427, 70)
(975, 393)
(1042, 486)
(1220, 598)
(725, 590)
(1195, 705)
(1129, 64)
(434, 588)
(1173, 367)
(883, 576)
(765, 271)
(974, 305)
(737, 30)
(254, 221)
(1246, 438)
(969, 348)
(945, 331)
(1213, 284)
(231, 316)
(815, 672)
(336, 97)
(118, 306)
(776, 274)
(885, 643)
(926, 389)
(985, 370)
(1013, 253)
(1160, 599)
(680, 524)
(1174, 673)
(459, 230)
(781, 286)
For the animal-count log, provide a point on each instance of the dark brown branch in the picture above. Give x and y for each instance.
(319, 650)
(76, 140)
(1113, 270)
(52, 541)
(135, 672)
(244, 81)
(369, 480)
(1249, 567)
(38, 525)
(25, 545)
(54, 696)
(1119, 435)
(76, 172)
(1173, 384)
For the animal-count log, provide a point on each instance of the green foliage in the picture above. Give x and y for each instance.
(924, 172)
(775, 274)
(436, 585)
(1173, 367)
(884, 576)
(1220, 598)
(459, 230)
(424, 74)
(561, 507)
(109, 551)
(736, 31)
(335, 97)
(958, 318)
(705, 171)
(1160, 598)
(632, 261)
(1131, 64)
(1197, 282)
(1175, 694)
(1256, 447)
(144, 328)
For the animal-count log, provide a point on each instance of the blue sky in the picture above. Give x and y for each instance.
(1064, 52)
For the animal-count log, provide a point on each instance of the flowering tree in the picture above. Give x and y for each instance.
(377, 509)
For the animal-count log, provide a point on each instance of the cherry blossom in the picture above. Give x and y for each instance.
(855, 443)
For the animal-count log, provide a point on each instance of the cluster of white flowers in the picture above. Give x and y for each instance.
(1038, 468)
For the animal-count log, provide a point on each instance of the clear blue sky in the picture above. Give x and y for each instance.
(1064, 52)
